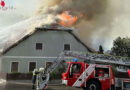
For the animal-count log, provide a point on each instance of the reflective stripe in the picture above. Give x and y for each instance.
(34, 73)
(87, 72)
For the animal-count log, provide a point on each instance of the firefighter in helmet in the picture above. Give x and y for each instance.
(42, 72)
(35, 72)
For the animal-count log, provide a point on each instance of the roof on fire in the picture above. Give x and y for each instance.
(52, 27)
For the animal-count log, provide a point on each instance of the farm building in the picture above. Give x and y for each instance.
(39, 49)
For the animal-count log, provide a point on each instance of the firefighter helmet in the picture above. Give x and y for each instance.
(41, 69)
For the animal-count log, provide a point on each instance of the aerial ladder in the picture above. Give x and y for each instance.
(87, 57)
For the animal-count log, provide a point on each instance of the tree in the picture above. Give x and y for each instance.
(121, 47)
(101, 51)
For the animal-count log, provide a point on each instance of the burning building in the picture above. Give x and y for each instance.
(39, 49)
(96, 22)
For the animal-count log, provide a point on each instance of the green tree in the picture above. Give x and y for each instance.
(121, 47)
(101, 51)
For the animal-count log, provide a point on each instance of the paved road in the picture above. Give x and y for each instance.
(13, 85)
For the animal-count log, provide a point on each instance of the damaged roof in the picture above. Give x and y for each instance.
(48, 28)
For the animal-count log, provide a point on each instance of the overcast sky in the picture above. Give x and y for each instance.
(24, 9)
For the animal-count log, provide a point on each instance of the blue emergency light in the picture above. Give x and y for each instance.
(75, 60)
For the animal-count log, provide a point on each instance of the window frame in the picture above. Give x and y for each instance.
(36, 48)
(73, 68)
(47, 62)
(67, 44)
(29, 65)
(11, 66)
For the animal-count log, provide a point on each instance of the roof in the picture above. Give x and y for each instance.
(47, 28)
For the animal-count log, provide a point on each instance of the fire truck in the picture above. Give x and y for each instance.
(86, 75)
(89, 76)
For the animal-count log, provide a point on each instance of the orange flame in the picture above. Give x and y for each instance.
(67, 19)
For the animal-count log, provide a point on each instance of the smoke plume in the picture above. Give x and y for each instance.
(102, 20)
(99, 22)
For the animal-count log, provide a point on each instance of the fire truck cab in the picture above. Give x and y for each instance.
(89, 76)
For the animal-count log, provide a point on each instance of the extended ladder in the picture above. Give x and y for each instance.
(41, 84)
(100, 58)
(56, 62)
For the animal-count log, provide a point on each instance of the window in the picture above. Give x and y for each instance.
(14, 67)
(66, 46)
(48, 64)
(32, 66)
(126, 85)
(76, 68)
(101, 72)
(38, 46)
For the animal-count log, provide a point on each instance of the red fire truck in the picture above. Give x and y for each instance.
(89, 76)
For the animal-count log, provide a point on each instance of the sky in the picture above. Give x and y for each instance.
(23, 10)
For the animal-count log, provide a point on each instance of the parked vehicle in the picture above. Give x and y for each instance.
(89, 76)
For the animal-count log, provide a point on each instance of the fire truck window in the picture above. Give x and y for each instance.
(76, 68)
(126, 85)
(102, 72)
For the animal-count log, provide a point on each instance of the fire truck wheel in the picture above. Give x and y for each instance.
(92, 85)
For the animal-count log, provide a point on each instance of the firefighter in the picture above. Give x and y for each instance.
(43, 78)
(42, 72)
(35, 72)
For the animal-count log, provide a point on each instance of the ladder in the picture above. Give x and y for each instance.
(55, 63)
(101, 58)
(91, 57)
(41, 84)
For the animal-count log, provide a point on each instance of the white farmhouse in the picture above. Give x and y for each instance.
(39, 49)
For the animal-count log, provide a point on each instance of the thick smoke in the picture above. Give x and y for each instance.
(88, 8)
(14, 33)
(104, 28)
(91, 11)
(99, 21)
(102, 21)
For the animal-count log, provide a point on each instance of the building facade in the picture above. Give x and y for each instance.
(39, 49)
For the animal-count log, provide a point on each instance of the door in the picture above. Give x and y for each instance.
(32, 66)
(14, 67)
(74, 73)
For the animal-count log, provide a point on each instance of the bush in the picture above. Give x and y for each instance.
(15, 73)
(57, 74)
(19, 76)
(53, 75)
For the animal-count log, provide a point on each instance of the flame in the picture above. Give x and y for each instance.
(67, 19)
